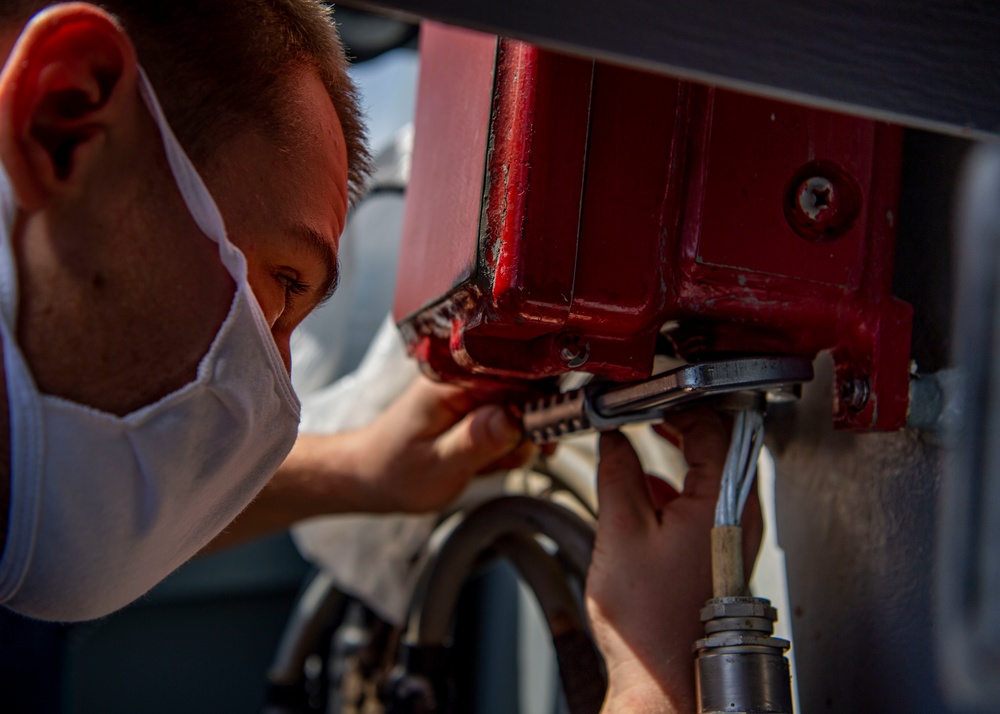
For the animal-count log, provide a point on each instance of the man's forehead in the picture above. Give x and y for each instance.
(317, 134)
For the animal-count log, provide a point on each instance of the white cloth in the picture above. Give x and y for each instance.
(369, 556)
(103, 507)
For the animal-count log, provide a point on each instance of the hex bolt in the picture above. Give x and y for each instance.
(572, 349)
(855, 393)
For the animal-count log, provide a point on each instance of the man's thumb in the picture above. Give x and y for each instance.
(479, 439)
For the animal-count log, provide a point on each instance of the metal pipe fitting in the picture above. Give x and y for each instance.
(740, 666)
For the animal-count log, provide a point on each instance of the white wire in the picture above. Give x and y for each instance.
(741, 467)
(751, 473)
(722, 511)
(728, 472)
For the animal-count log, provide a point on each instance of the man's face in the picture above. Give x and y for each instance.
(285, 208)
(120, 294)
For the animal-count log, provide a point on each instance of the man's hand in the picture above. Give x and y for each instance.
(420, 453)
(417, 456)
(651, 571)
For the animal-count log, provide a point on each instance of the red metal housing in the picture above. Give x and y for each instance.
(562, 213)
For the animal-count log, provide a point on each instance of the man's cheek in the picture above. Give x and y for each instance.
(270, 294)
(282, 339)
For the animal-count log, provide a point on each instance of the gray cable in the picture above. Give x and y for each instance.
(741, 467)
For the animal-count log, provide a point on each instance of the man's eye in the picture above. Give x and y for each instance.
(293, 287)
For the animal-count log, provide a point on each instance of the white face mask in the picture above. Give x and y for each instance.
(104, 507)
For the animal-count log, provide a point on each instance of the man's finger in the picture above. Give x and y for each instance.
(705, 442)
(622, 493)
(428, 408)
(525, 453)
(481, 438)
(660, 491)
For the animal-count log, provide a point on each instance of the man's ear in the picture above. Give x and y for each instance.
(70, 79)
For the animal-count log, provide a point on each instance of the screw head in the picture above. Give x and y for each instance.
(822, 202)
(818, 200)
(572, 350)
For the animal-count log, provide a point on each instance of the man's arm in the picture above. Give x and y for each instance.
(651, 571)
(417, 456)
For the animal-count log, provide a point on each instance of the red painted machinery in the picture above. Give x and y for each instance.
(569, 214)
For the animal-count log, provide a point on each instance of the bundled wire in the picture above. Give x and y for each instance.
(741, 467)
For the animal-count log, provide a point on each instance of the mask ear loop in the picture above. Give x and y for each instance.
(205, 212)
(25, 420)
(8, 267)
(196, 195)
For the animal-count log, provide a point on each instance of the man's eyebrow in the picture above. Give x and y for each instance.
(322, 249)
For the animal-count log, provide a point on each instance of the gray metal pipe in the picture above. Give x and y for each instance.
(458, 544)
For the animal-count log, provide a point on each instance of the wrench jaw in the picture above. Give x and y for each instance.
(604, 408)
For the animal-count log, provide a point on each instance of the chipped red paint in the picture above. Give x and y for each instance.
(616, 201)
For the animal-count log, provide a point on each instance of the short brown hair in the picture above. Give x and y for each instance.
(217, 66)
